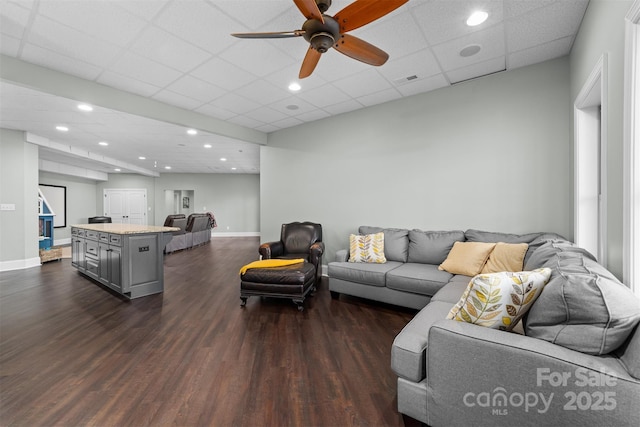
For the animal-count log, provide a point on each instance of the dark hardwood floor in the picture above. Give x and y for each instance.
(74, 354)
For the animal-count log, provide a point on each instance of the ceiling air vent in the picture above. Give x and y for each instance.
(405, 80)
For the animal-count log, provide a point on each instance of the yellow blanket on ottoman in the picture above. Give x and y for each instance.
(266, 263)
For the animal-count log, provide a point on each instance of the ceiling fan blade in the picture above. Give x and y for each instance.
(309, 63)
(271, 35)
(361, 12)
(309, 9)
(359, 49)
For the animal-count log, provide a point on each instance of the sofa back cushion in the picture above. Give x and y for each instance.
(583, 307)
(432, 247)
(493, 237)
(396, 241)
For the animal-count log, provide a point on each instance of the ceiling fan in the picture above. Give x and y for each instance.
(323, 31)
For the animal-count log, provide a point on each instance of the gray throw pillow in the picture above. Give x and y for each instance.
(583, 307)
(432, 247)
(396, 241)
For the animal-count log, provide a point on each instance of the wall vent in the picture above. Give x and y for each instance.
(405, 80)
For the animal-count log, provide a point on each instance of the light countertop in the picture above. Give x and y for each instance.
(126, 228)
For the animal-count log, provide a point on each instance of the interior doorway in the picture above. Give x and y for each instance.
(590, 113)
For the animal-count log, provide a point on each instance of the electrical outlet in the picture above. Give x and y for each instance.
(7, 207)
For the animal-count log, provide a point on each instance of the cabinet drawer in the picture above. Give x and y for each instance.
(91, 234)
(92, 266)
(77, 232)
(115, 239)
(92, 248)
(104, 237)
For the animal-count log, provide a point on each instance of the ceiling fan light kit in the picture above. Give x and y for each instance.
(324, 32)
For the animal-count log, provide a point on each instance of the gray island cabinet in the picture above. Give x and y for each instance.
(127, 258)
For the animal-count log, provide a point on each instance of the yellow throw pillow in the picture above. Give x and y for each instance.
(367, 248)
(506, 257)
(467, 258)
(499, 300)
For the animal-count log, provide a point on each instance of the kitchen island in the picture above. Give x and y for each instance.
(126, 258)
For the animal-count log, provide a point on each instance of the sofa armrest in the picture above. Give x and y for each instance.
(342, 255)
(315, 253)
(271, 250)
(466, 364)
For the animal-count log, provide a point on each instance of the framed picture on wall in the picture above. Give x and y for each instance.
(56, 195)
(185, 203)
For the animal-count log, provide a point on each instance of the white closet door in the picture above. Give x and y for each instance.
(126, 206)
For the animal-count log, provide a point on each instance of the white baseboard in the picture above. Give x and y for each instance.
(62, 242)
(19, 264)
(235, 234)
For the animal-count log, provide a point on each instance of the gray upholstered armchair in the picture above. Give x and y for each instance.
(297, 240)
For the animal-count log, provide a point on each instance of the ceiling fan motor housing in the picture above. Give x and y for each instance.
(321, 36)
(323, 5)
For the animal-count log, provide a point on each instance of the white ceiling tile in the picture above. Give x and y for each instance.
(199, 23)
(343, 107)
(292, 106)
(196, 89)
(256, 14)
(324, 95)
(246, 120)
(287, 123)
(491, 40)
(363, 83)
(146, 10)
(444, 20)
(146, 70)
(287, 75)
(313, 115)
(167, 49)
(333, 65)
(428, 84)
(513, 9)
(67, 41)
(421, 64)
(545, 52)
(268, 128)
(236, 103)
(266, 115)
(13, 20)
(215, 111)
(258, 56)
(544, 24)
(126, 83)
(98, 18)
(223, 74)
(263, 92)
(379, 97)
(476, 70)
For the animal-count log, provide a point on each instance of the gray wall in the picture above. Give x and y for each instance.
(18, 186)
(81, 201)
(492, 153)
(602, 31)
(234, 199)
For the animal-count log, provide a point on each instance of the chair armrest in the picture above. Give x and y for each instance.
(342, 255)
(271, 250)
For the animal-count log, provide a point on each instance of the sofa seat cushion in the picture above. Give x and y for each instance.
(423, 279)
(410, 345)
(365, 273)
(452, 291)
(583, 307)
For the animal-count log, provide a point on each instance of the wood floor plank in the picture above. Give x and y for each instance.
(73, 353)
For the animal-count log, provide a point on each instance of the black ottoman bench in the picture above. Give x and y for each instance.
(292, 281)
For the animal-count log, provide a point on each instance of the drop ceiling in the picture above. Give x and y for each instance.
(180, 53)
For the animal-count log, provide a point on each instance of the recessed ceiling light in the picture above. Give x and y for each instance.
(85, 107)
(207, 145)
(294, 86)
(470, 50)
(223, 159)
(103, 143)
(62, 128)
(117, 169)
(292, 107)
(192, 132)
(233, 169)
(167, 167)
(142, 158)
(477, 18)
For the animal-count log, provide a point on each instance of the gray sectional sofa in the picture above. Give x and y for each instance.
(576, 361)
